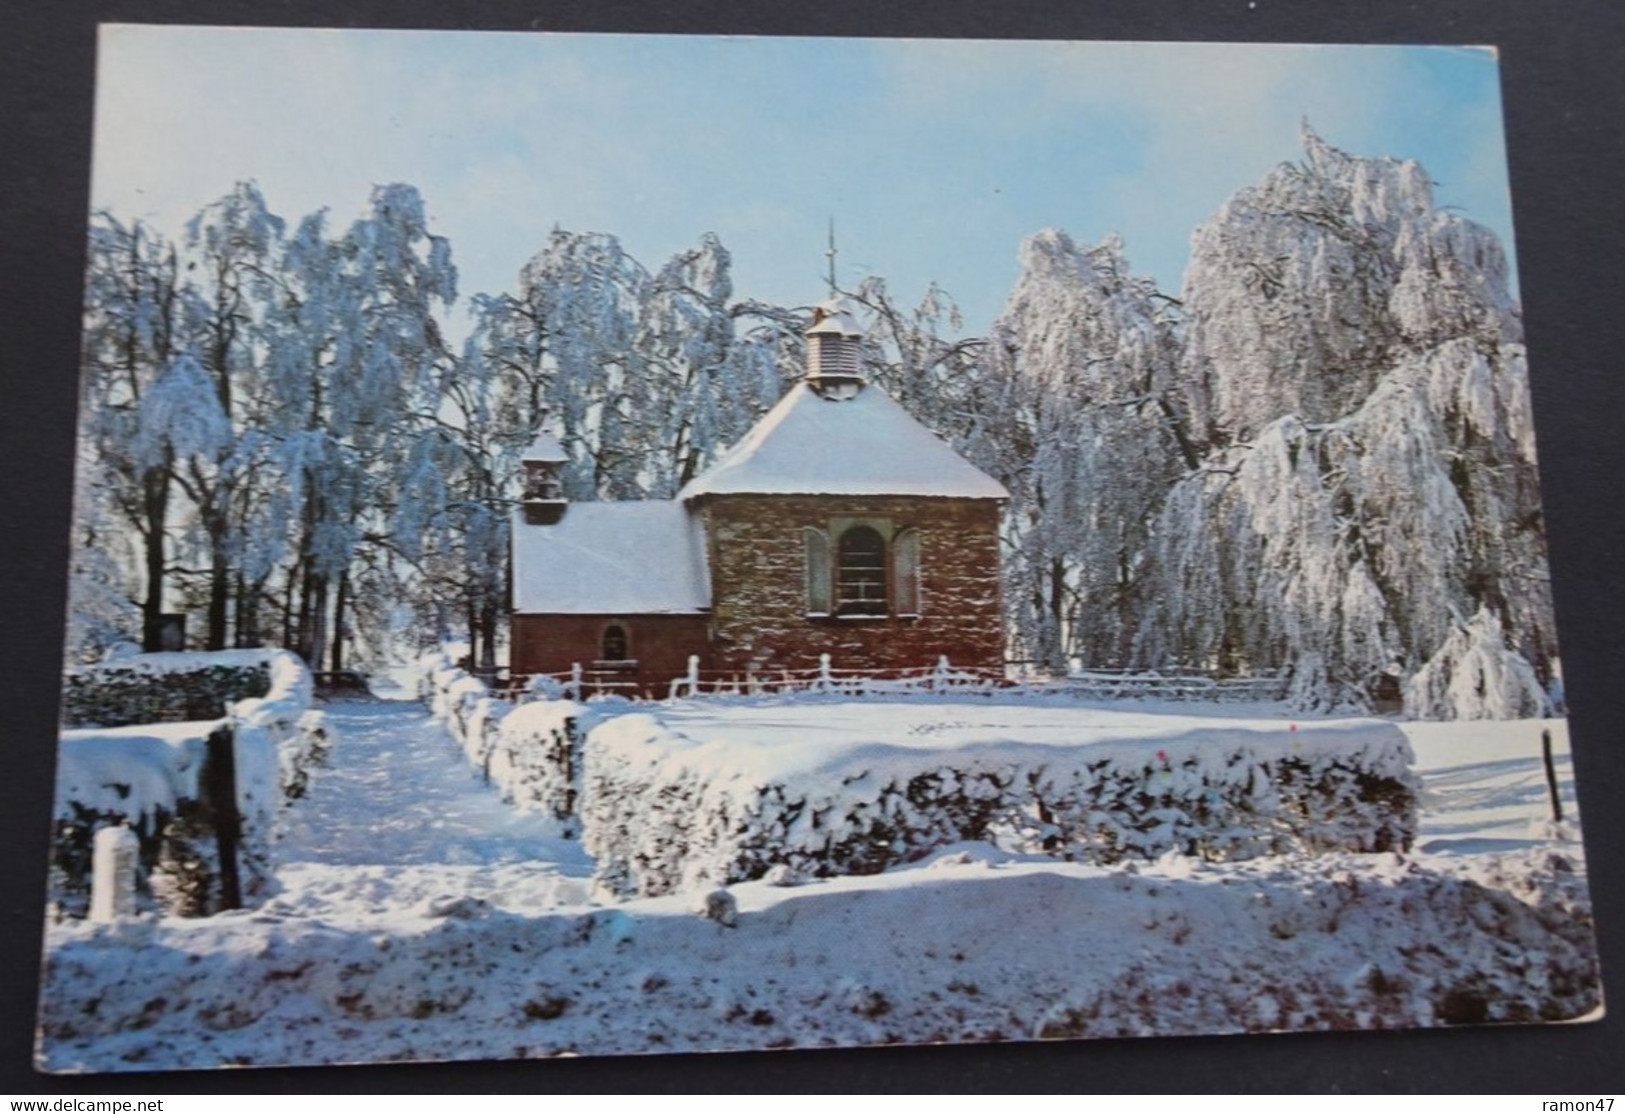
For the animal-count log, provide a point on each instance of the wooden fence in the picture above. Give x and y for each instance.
(1181, 685)
(604, 678)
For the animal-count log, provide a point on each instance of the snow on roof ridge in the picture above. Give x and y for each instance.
(835, 315)
(867, 444)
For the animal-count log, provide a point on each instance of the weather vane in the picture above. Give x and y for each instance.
(830, 252)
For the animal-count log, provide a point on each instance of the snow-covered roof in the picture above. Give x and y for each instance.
(545, 450)
(836, 316)
(865, 444)
(634, 558)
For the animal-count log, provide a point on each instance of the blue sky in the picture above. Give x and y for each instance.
(935, 158)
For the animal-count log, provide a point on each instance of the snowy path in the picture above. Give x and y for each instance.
(1487, 920)
(400, 818)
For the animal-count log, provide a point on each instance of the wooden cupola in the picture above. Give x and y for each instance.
(835, 351)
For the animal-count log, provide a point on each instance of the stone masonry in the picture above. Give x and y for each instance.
(757, 551)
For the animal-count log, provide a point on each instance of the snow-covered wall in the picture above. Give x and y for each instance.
(665, 809)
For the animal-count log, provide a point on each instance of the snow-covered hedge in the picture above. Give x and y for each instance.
(153, 776)
(460, 701)
(531, 752)
(663, 812)
(300, 732)
(164, 688)
(537, 756)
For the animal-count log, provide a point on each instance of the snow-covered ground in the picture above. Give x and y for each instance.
(422, 918)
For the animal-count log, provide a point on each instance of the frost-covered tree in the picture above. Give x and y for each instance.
(1353, 356)
(101, 608)
(355, 355)
(233, 248)
(581, 294)
(648, 376)
(450, 525)
(917, 356)
(134, 328)
(1302, 290)
(685, 335)
(1072, 415)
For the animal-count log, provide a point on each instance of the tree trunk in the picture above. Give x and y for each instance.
(311, 643)
(488, 635)
(318, 622)
(302, 633)
(289, 635)
(155, 508)
(241, 618)
(219, 593)
(1057, 608)
(339, 607)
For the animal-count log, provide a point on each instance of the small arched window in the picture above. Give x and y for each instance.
(614, 647)
(860, 572)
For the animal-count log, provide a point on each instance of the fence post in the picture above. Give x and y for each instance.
(575, 681)
(1551, 774)
(217, 784)
(112, 874)
(694, 674)
(824, 677)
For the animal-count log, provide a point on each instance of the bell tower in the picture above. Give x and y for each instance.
(543, 498)
(834, 342)
(835, 351)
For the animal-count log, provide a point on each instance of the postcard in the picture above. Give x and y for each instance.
(605, 544)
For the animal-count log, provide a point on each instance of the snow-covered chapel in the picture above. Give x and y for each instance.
(839, 525)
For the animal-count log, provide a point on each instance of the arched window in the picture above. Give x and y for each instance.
(860, 572)
(614, 644)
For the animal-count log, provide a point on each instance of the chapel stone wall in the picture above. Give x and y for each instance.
(758, 556)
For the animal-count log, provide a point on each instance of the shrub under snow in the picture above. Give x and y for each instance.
(153, 778)
(1476, 676)
(536, 758)
(531, 752)
(664, 811)
(454, 696)
(164, 688)
(284, 712)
